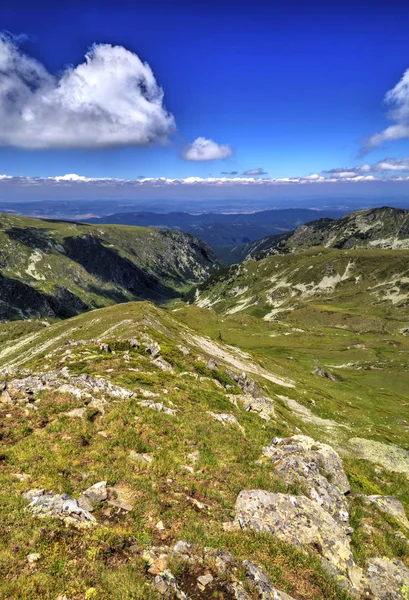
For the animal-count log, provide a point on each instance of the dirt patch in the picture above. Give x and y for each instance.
(235, 360)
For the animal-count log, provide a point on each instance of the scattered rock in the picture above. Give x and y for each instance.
(162, 364)
(158, 406)
(245, 383)
(66, 388)
(159, 565)
(262, 405)
(77, 413)
(5, 398)
(182, 547)
(99, 404)
(263, 583)
(385, 579)
(222, 581)
(134, 343)
(83, 383)
(204, 580)
(212, 364)
(166, 585)
(320, 372)
(104, 348)
(199, 505)
(391, 457)
(147, 393)
(227, 419)
(152, 348)
(160, 526)
(193, 457)
(185, 351)
(143, 459)
(120, 497)
(94, 495)
(33, 558)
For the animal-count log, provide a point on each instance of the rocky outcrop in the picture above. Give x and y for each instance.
(81, 386)
(300, 459)
(386, 579)
(252, 398)
(320, 522)
(390, 505)
(77, 512)
(61, 506)
(295, 519)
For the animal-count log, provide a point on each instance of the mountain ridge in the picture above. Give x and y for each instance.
(384, 227)
(58, 268)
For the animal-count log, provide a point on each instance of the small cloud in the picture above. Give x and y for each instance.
(203, 149)
(398, 99)
(111, 99)
(255, 172)
(229, 173)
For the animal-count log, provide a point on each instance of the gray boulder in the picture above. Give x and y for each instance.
(300, 459)
(297, 520)
(61, 506)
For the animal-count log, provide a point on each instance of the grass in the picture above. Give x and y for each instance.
(68, 455)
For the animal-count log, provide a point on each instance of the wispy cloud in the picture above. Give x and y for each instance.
(382, 166)
(203, 149)
(398, 100)
(229, 173)
(255, 172)
(111, 99)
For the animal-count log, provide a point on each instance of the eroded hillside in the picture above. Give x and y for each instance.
(59, 269)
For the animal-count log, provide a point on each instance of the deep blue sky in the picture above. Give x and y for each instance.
(291, 87)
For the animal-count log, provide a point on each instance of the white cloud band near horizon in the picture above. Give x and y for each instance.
(78, 187)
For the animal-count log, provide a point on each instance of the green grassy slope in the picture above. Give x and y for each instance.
(57, 269)
(42, 447)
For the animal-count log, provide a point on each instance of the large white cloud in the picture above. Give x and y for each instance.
(398, 99)
(112, 99)
(204, 149)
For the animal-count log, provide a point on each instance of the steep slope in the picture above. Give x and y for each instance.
(138, 462)
(376, 228)
(58, 269)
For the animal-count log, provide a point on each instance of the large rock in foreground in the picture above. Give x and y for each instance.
(296, 520)
(301, 459)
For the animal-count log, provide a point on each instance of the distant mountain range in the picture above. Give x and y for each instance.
(227, 234)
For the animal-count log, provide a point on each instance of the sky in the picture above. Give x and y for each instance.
(210, 98)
